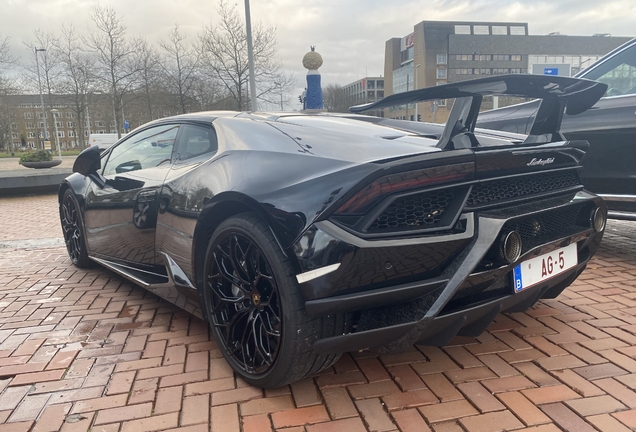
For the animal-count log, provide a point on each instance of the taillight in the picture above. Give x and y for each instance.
(405, 181)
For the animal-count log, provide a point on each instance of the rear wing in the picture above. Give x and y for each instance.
(557, 94)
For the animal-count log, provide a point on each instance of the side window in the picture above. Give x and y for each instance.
(147, 149)
(618, 72)
(196, 141)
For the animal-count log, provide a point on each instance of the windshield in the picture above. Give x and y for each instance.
(618, 72)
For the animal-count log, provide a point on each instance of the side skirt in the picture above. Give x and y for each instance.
(173, 286)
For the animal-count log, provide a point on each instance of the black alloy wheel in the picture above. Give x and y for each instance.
(255, 309)
(73, 231)
(245, 303)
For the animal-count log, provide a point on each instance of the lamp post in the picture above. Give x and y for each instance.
(416, 66)
(280, 89)
(57, 136)
(250, 56)
(37, 65)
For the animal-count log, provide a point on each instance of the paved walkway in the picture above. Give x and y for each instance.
(85, 349)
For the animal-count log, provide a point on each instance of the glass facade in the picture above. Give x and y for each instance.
(403, 79)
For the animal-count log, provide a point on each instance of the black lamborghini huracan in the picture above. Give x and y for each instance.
(300, 237)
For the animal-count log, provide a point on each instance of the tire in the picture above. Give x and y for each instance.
(272, 306)
(73, 230)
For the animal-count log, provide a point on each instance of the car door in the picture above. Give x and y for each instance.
(184, 192)
(121, 213)
(610, 128)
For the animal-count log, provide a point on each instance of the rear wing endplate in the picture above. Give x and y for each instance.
(557, 94)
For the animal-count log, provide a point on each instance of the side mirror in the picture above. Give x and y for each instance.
(88, 161)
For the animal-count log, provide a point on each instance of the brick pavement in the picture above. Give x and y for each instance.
(85, 349)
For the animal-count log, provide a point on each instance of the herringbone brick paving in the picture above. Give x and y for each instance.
(84, 350)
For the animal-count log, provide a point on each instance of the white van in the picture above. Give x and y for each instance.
(103, 141)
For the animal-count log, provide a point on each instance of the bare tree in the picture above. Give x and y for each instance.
(224, 50)
(180, 66)
(335, 99)
(150, 83)
(6, 60)
(76, 81)
(117, 62)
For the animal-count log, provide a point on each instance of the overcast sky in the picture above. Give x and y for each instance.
(349, 34)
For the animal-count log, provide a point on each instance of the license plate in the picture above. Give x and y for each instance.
(543, 267)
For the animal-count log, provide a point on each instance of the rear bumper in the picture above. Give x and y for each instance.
(432, 310)
(439, 330)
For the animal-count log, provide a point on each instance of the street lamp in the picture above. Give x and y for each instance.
(416, 89)
(37, 65)
(250, 56)
(280, 89)
(57, 136)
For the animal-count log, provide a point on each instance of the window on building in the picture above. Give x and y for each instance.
(464, 71)
(30, 134)
(481, 30)
(440, 83)
(60, 134)
(57, 115)
(31, 144)
(515, 57)
(43, 115)
(380, 84)
(58, 124)
(482, 71)
(14, 135)
(41, 124)
(499, 30)
(462, 29)
(30, 125)
(501, 57)
(499, 71)
(370, 84)
(70, 115)
(28, 115)
(516, 70)
(371, 94)
(71, 134)
(464, 57)
(407, 55)
(441, 73)
(518, 30)
(69, 124)
(483, 57)
(441, 102)
(441, 59)
(14, 126)
(380, 93)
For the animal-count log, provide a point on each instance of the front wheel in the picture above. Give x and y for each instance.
(255, 308)
(73, 230)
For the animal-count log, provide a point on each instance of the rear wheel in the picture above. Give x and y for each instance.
(73, 230)
(255, 308)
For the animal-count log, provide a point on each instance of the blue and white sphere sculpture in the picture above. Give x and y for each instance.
(313, 98)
